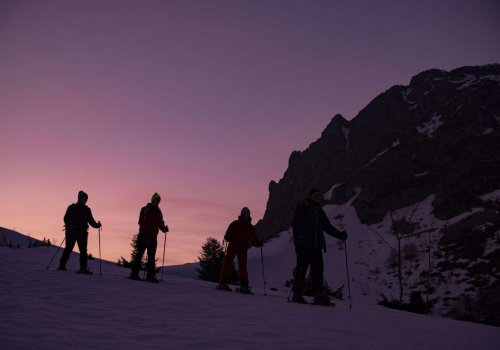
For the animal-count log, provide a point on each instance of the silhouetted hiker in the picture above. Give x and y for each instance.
(241, 235)
(309, 223)
(77, 219)
(150, 223)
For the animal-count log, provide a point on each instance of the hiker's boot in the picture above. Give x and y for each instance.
(223, 286)
(322, 299)
(298, 298)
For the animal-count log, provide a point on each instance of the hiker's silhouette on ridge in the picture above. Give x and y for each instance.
(77, 219)
(241, 235)
(150, 223)
(309, 223)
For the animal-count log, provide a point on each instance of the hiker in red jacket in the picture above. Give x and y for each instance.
(150, 223)
(241, 235)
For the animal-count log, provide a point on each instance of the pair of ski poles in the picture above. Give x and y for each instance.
(163, 259)
(100, 260)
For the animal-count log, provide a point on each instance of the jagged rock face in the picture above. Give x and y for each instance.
(440, 134)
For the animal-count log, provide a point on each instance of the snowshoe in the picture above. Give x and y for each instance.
(299, 299)
(84, 272)
(61, 268)
(322, 300)
(135, 278)
(244, 290)
(153, 280)
(224, 287)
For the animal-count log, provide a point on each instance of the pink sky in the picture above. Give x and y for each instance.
(200, 101)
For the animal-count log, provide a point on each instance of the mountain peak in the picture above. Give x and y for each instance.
(427, 75)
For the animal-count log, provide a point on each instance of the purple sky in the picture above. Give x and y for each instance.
(201, 101)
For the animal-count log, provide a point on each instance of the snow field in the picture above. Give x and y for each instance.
(54, 310)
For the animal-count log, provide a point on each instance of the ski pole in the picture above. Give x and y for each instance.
(223, 258)
(348, 279)
(163, 261)
(50, 263)
(291, 288)
(263, 274)
(100, 260)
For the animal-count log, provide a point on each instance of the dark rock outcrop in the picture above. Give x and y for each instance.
(440, 134)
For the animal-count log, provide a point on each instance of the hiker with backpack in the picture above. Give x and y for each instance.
(77, 219)
(240, 235)
(150, 223)
(308, 225)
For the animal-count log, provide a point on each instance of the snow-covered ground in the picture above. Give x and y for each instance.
(369, 248)
(49, 309)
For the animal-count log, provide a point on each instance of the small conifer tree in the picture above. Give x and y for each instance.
(210, 260)
(135, 248)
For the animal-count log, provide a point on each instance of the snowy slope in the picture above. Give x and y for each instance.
(13, 238)
(369, 248)
(49, 309)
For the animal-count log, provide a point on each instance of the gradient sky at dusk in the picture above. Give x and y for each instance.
(200, 101)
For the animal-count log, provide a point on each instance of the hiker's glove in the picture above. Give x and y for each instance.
(343, 235)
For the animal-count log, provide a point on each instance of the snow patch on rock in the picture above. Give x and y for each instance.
(346, 132)
(404, 94)
(421, 174)
(328, 195)
(380, 154)
(492, 196)
(470, 80)
(428, 128)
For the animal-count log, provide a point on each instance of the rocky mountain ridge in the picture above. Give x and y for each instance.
(439, 134)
